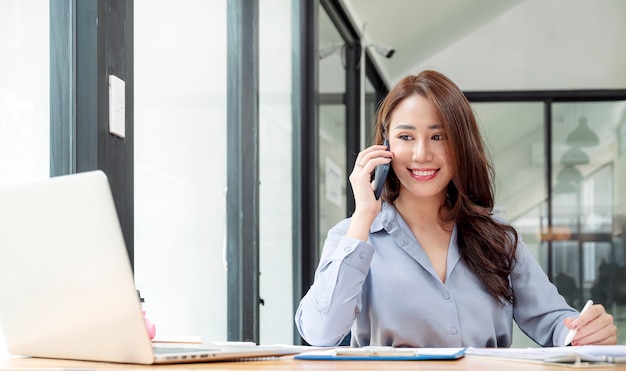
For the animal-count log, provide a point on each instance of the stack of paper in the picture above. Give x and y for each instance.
(577, 354)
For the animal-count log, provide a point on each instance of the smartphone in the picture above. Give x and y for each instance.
(380, 174)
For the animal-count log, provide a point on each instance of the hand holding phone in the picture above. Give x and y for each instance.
(380, 174)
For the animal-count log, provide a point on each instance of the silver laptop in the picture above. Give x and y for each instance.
(66, 284)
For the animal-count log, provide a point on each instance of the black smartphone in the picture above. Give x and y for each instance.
(380, 174)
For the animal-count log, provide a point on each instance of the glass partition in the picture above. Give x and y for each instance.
(581, 246)
(275, 123)
(24, 94)
(371, 105)
(24, 90)
(514, 134)
(332, 126)
(588, 202)
(180, 164)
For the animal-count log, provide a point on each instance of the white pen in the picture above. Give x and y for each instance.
(572, 332)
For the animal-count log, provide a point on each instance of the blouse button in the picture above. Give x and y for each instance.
(362, 255)
(347, 249)
(453, 330)
(446, 296)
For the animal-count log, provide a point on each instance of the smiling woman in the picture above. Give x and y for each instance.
(433, 234)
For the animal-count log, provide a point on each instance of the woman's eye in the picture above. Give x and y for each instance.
(438, 137)
(405, 137)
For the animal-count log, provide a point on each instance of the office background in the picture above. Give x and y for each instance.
(534, 70)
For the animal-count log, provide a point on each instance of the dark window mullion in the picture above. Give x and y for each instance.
(305, 137)
(62, 87)
(243, 170)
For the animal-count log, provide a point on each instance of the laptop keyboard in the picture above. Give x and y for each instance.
(171, 350)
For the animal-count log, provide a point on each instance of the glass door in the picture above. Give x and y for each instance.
(332, 126)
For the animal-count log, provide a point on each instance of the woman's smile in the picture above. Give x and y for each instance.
(424, 174)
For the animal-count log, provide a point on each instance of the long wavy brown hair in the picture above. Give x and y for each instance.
(486, 245)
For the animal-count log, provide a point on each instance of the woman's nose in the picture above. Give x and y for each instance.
(420, 151)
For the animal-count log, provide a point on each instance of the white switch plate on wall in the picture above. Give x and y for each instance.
(117, 106)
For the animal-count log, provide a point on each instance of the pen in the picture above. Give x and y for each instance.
(572, 332)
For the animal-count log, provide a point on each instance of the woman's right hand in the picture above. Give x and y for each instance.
(366, 205)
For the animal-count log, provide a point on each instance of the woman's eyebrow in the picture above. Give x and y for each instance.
(411, 127)
(405, 127)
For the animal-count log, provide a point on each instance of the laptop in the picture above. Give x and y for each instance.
(66, 285)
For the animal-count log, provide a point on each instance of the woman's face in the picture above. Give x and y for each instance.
(418, 142)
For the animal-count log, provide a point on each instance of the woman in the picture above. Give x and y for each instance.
(429, 266)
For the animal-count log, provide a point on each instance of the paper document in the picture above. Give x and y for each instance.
(587, 353)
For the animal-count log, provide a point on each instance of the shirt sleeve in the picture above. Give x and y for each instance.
(327, 311)
(539, 309)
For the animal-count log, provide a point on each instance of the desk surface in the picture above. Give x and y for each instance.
(288, 363)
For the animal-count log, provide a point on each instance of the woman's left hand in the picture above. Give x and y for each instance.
(595, 326)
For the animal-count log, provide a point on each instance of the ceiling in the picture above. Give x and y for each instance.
(496, 45)
(417, 29)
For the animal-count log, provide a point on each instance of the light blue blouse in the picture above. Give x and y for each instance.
(387, 293)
